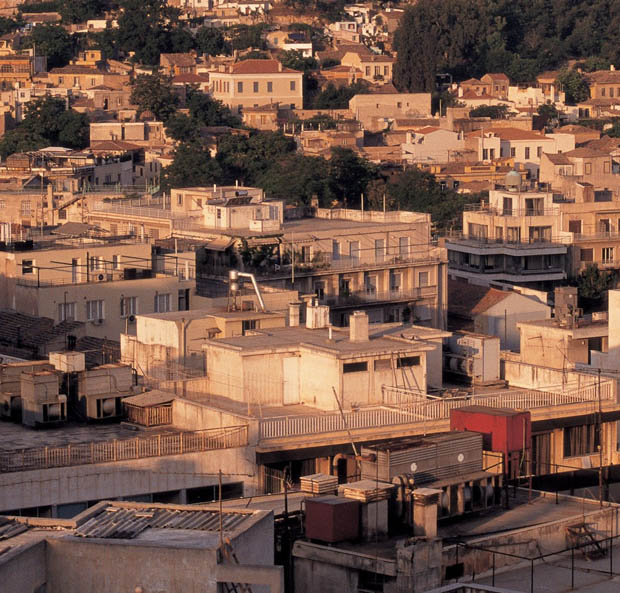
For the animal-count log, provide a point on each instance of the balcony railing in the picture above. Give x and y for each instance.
(521, 243)
(367, 259)
(137, 211)
(371, 296)
(141, 447)
(514, 212)
(407, 406)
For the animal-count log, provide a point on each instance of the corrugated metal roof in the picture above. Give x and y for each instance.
(9, 529)
(128, 522)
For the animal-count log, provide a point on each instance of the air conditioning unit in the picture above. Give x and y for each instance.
(101, 277)
(97, 321)
(131, 319)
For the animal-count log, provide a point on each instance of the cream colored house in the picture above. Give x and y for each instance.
(432, 144)
(375, 110)
(103, 283)
(373, 67)
(252, 83)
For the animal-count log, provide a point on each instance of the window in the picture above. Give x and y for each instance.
(507, 207)
(270, 87)
(292, 85)
(66, 312)
(408, 361)
(485, 154)
(370, 284)
(607, 255)
(588, 168)
(25, 208)
(604, 225)
(603, 92)
(403, 246)
(587, 255)
(527, 152)
(27, 266)
(129, 306)
(423, 279)
(354, 251)
(581, 440)
(513, 152)
(94, 310)
(335, 250)
(179, 199)
(606, 168)
(539, 151)
(2, 203)
(239, 87)
(379, 250)
(248, 325)
(383, 364)
(367, 70)
(256, 87)
(396, 281)
(116, 262)
(574, 226)
(355, 367)
(162, 303)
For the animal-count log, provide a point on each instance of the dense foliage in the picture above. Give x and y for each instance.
(519, 37)
(52, 41)
(47, 122)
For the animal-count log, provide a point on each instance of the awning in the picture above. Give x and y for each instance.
(149, 399)
(220, 244)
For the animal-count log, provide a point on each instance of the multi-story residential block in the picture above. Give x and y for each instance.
(384, 262)
(149, 134)
(372, 67)
(527, 148)
(605, 84)
(493, 85)
(85, 77)
(103, 283)
(514, 239)
(252, 83)
(176, 64)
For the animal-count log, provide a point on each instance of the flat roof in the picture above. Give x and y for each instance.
(15, 436)
(340, 345)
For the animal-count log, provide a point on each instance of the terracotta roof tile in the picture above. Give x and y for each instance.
(260, 67)
(469, 300)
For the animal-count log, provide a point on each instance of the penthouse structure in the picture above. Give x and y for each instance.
(382, 262)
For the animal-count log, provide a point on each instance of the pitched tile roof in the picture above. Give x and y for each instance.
(469, 300)
(585, 152)
(260, 67)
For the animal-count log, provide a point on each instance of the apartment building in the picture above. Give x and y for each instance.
(104, 283)
(372, 67)
(252, 83)
(375, 110)
(383, 262)
(527, 147)
(605, 84)
(85, 77)
(493, 85)
(515, 238)
(149, 134)
(526, 235)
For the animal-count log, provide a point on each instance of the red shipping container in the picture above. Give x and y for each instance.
(502, 429)
(332, 519)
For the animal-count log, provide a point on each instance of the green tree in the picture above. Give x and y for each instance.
(210, 112)
(210, 41)
(575, 86)
(153, 92)
(192, 166)
(492, 111)
(52, 41)
(296, 61)
(247, 36)
(79, 11)
(145, 27)
(338, 98)
(593, 284)
(614, 131)
(47, 122)
(348, 175)
(182, 128)
(419, 191)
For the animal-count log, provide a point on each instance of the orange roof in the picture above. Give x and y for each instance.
(469, 300)
(260, 67)
(516, 134)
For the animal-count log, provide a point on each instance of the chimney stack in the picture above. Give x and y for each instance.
(358, 327)
(294, 313)
(425, 501)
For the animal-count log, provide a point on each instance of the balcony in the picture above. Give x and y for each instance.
(360, 297)
(485, 245)
(327, 263)
(512, 212)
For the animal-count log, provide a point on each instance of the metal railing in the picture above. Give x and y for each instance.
(137, 211)
(520, 243)
(141, 447)
(420, 409)
(370, 296)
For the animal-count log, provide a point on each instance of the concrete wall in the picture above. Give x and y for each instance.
(76, 565)
(530, 541)
(84, 483)
(24, 570)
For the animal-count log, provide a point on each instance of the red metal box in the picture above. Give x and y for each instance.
(502, 429)
(332, 519)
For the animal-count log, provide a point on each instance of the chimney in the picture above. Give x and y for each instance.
(425, 501)
(317, 316)
(279, 66)
(358, 327)
(294, 310)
